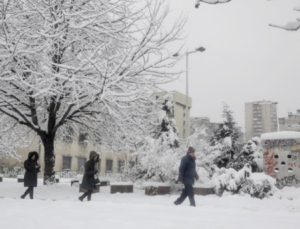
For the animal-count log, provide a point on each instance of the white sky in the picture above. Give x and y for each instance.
(245, 59)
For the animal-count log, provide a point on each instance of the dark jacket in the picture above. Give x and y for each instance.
(30, 177)
(187, 170)
(88, 177)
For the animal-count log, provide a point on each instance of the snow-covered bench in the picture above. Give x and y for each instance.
(121, 187)
(1, 177)
(77, 179)
(156, 188)
(203, 190)
(57, 178)
(20, 178)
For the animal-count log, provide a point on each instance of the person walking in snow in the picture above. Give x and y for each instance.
(187, 176)
(88, 180)
(32, 169)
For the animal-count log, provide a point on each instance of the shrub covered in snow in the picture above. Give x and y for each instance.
(252, 153)
(258, 185)
(243, 182)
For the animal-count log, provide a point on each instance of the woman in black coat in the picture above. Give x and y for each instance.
(32, 169)
(88, 177)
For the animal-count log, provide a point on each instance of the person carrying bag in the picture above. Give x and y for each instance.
(89, 181)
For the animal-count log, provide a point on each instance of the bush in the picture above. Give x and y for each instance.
(243, 182)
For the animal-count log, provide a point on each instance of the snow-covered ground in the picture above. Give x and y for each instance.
(57, 207)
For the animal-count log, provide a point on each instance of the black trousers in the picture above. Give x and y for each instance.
(29, 191)
(87, 194)
(188, 191)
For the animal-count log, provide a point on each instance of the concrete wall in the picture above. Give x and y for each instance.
(282, 161)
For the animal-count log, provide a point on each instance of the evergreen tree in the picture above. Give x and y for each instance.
(225, 138)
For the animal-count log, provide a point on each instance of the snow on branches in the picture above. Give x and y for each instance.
(12, 137)
(84, 65)
(243, 182)
(290, 26)
(197, 2)
(159, 156)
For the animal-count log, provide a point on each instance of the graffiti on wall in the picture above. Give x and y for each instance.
(288, 181)
(270, 164)
(281, 142)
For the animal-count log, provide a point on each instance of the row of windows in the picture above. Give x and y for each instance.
(109, 164)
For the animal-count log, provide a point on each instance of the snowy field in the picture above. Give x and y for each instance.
(57, 207)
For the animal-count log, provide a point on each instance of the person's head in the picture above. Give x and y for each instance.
(94, 156)
(33, 156)
(191, 151)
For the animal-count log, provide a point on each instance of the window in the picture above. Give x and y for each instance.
(67, 162)
(131, 164)
(109, 166)
(120, 166)
(81, 163)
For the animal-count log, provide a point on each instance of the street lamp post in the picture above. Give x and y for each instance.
(200, 49)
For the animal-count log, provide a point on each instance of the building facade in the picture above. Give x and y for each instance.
(291, 123)
(179, 112)
(70, 158)
(260, 118)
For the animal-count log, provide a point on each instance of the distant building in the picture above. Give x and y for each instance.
(203, 123)
(291, 123)
(179, 110)
(260, 117)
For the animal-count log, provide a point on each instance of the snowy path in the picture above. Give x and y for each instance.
(140, 211)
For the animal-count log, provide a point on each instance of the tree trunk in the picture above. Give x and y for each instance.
(49, 159)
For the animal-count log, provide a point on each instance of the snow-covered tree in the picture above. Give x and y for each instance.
(158, 157)
(226, 138)
(86, 65)
(168, 132)
(12, 138)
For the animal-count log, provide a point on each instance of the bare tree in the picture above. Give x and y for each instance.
(83, 65)
(290, 26)
(197, 2)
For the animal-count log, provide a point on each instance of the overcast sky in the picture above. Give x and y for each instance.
(246, 60)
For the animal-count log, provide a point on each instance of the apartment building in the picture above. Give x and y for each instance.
(260, 117)
(290, 123)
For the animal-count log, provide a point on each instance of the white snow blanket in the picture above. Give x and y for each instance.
(58, 207)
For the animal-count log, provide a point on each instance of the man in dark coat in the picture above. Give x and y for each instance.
(32, 169)
(187, 176)
(88, 177)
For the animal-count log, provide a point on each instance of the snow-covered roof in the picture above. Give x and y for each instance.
(281, 135)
